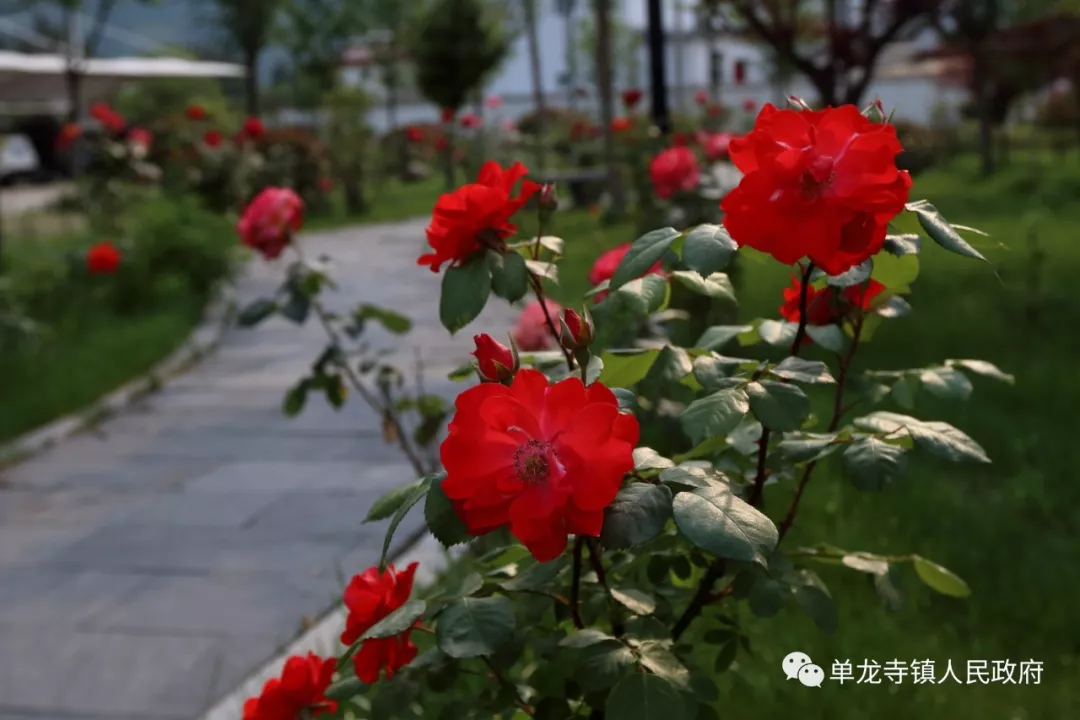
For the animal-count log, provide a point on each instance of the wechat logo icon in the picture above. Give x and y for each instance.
(799, 666)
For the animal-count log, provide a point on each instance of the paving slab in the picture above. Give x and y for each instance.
(150, 567)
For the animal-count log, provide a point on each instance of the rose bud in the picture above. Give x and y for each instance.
(495, 362)
(577, 331)
(547, 202)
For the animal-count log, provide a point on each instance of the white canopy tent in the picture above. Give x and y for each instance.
(35, 84)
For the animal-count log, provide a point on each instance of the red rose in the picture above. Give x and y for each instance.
(299, 692)
(325, 184)
(701, 97)
(749, 105)
(102, 258)
(442, 144)
(715, 109)
(679, 139)
(620, 124)
(828, 305)
(631, 98)
(716, 145)
(69, 133)
(674, 170)
(495, 361)
(476, 213)
(575, 331)
(369, 598)
(270, 220)
(819, 184)
(253, 128)
(494, 102)
(109, 118)
(448, 114)
(195, 112)
(544, 459)
(141, 137)
(470, 121)
(212, 138)
(605, 265)
(414, 134)
(531, 332)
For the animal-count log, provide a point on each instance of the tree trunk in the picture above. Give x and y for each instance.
(603, 85)
(981, 85)
(448, 157)
(251, 83)
(390, 82)
(354, 193)
(571, 62)
(537, 80)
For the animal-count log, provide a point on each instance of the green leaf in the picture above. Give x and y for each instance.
(903, 391)
(896, 273)
(671, 366)
(584, 638)
(646, 627)
(509, 276)
(874, 463)
(708, 248)
(441, 518)
(625, 369)
(396, 622)
(690, 477)
(600, 665)
(981, 367)
(417, 494)
(855, 276)
(537, 576)
(643, 254)
(806, 446)
(778, 406)
(647, 697)
(296, 398)
(471, 627)
(643, 296)
(776, 332)
(797, 369)
(905, 244)
(346, 689)
(465, 290)
(717, 285)
(941, 232)
(637, 515)
(256, 311)
(939, 438)
(717, 336)
(389, 503)
(648, 459)
(814, 598)
(545, 270)
(766, 595)
(297, 307)
(946, 383)
(830, 337)
(636, 601)
(716, 414)
(717, 521)
(659, 660)
(940, 579)
(887, 587)
(726, 656)
(393, 321)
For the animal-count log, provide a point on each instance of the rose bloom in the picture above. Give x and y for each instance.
(701, 97)
(195, 112)
(253, 128)
(749, 105)
(494, 102)
(820, 184)
(299, 692)
(414, 134)
(69, 133)
(715, 109)
(544, 459)
(631, 97)
(716, 145)
(102, 258)
(531, 332)
(212, 138)
(620, 124)
(476, 214)
(140, 136)
(442, 144)
(605, 265)
(828, 305)
(495, 360)
(325, 184)
(470, 121)
(109, 118)
(270, 220)
(674, 170)
(448, 114)
(370, 597)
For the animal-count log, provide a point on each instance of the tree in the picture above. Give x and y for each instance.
(606, 91)
(529, 6)
(835, 47)
(569, 80)
(247, 26)
(347, 134)
(317, 33)
(625, 47)
(458, 45)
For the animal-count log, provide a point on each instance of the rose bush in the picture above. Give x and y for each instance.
(609, 496)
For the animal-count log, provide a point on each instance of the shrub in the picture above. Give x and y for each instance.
(293, 157)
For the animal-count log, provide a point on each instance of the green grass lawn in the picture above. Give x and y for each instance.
(387, 202)
(1010, 529)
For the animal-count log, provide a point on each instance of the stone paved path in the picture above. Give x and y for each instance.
(147, 570)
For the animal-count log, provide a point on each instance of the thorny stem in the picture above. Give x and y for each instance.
(503, 681)
(539, 290)
(575, 585)
(385, 411)
(704, 594)
(596, 561)
(838, 412)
